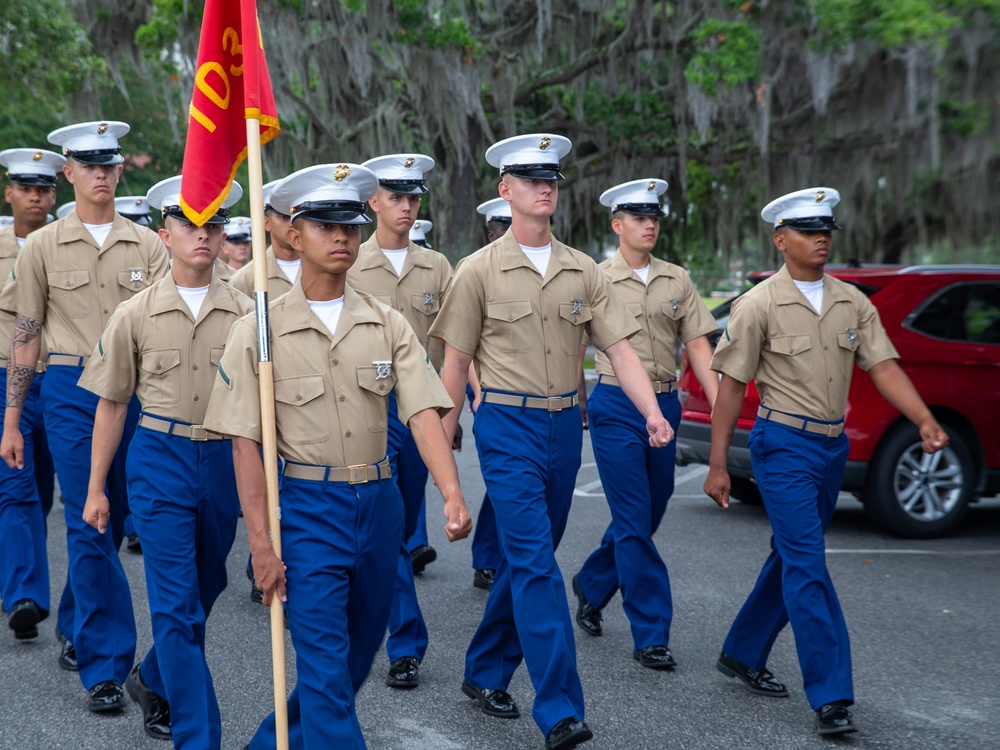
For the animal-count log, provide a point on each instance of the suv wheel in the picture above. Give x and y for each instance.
(915, 494)
(745, 490)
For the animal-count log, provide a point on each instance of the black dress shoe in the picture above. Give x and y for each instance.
(589, 619)
(132, 543)
(155, 709)
(404, 673)
(760, 681)
(496, 703)
(106, 696)
(24, 619)
(67, 654)
(423, 556)
(834, 718)
(568, 733)
(655, 657)
(483, 578)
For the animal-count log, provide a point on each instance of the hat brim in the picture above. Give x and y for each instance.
(535, 172)
(504, 220)
(241, 237)
(33, 180)
(403, 187)
(811, 223)
(422, 243)
(333, 216)
(95, 157)
(640, 209)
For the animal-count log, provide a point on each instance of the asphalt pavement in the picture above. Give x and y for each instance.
(922, 618)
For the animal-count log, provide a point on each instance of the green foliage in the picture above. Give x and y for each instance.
(46, 55)
(164, 24)
(442, 28)
(889, 23)
(727, 53)
(964, 119)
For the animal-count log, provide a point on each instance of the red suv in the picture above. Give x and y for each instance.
(945, 323)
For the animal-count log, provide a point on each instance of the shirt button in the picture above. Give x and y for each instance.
(298, 396)
(194, 335)
(343, 398)
(105, 311)
(826, 348)
(830, 380)
(336, 362)
(548, 351)
(159, 367)
(102, 285)
(545, 317)
(510, 317)
(194, 367)
(381, 387)
(195, 398)
(347, 434)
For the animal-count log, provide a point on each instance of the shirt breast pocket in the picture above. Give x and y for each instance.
(848, 343)
(161, 375)
(793, 362)
(300, 415)
(577, 314)
(134, 280)
(215, 355)
(68, 292)
(375, 394)
(510, 322)
(426, 303)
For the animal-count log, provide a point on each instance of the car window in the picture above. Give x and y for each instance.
(967, 312)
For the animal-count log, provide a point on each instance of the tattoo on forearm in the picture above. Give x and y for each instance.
(19, 377)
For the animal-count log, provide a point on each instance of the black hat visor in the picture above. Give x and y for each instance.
(405, 187)
(534, 171)
(332, 212)
(100, 156)
(36, 180)
(639, 209)
(811, 223)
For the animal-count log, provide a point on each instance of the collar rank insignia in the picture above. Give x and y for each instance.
(577, 304)
(383, 368)
(135, 274)
(428, 298)
(852, 335)
(673, 304)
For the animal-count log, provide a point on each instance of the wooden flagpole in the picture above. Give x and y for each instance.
(269, 437)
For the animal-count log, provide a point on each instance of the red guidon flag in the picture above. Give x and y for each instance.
(231, 86)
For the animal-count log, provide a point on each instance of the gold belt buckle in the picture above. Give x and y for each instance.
(657, 386)
(363, 468)
(833, 430)
(554, 403)
(203, 438)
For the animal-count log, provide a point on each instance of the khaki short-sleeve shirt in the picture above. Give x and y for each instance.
(418, 292)
(331, 392)
(63, 280)
(668, 308)
(8, 254)
(224, 271)
(277, 282)
(523, 331)
(802, 361)
(155, 349)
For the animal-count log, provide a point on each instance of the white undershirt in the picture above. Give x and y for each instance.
(539, 256)
(328, 311)
(290, 268)
(813, 291)
(397, 258)
(193, 297)
(643, 273)
(99, 232)
(20, 240)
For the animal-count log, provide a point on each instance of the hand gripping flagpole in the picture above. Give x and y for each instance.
(269, 436)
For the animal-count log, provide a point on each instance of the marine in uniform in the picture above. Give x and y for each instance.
(236, 250)
(283, 262)
(486, 550)
(799, 335)
(638, 479)
(336, 354)
(164, 346)
(25, 493)
(413, 281)
(67, 281)
(519, 309)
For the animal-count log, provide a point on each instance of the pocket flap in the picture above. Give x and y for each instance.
(299, 390)
(160, 360)
(671, 309)
(68, 280)
(581, 316)
(635, 308)
(849, 340)
(509, 310)
(368, 378)
(791, 344)
(215, 354)
(426, 303)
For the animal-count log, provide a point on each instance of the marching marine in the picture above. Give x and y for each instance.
(337, 354)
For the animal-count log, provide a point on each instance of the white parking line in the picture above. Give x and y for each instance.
(948, 553)
(587, 489)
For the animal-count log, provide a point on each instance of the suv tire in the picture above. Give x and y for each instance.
(916, 495)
